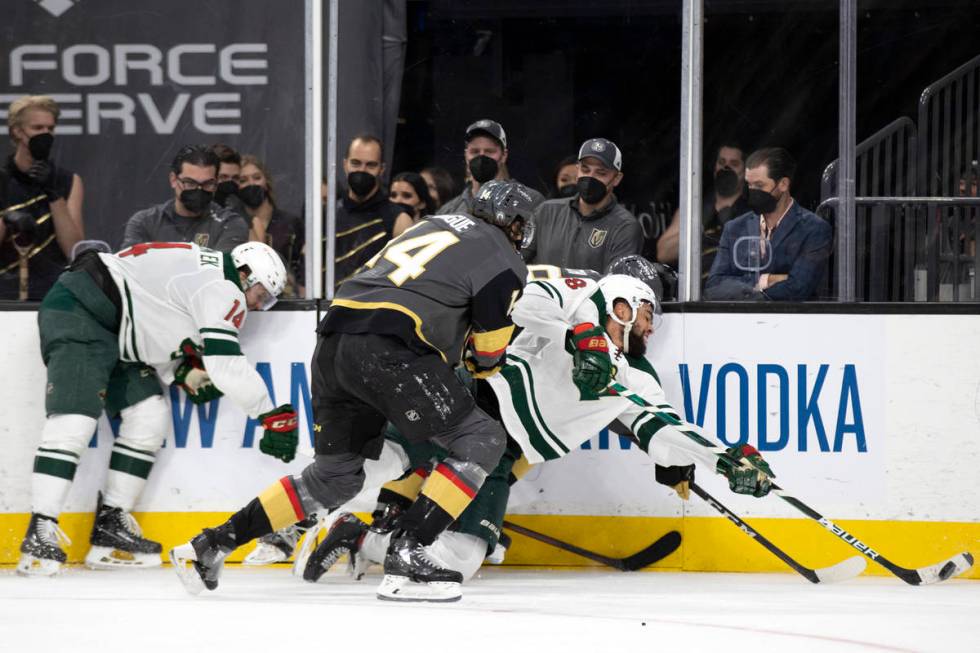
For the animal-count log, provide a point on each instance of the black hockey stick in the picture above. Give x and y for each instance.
(841, 571)
(940, 571)
(660, 549)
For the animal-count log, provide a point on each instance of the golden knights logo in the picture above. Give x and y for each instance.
(597, 237)
(201, 240)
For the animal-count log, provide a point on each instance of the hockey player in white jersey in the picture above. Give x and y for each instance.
(112, 328)
(553, 393)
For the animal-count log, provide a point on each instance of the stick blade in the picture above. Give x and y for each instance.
(945, 570)
(843, 570)
(656, 551)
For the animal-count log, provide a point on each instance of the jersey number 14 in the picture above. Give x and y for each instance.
(411, 255)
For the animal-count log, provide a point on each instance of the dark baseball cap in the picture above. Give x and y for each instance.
(487, 127)
(604, 150)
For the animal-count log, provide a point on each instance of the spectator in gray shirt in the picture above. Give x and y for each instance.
(590, 230)
(486, 158)
(191, 216)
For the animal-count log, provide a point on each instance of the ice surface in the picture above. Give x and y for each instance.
(503, 609)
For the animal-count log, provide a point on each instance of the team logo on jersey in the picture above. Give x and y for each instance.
(597, 237)
(413, 415)
(201, 240)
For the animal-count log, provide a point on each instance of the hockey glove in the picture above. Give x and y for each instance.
(191, 375)
(281, 435)
(42, 173)
(591, 368)
(755, 480)
(678, 478)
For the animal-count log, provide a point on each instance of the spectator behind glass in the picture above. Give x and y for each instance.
(191, 216)
(408, 190)
(42, 215)
(565, 177)
(229, 178)
(440, 183)
(269, 224)
(485, 153)
(794, 244)
(726, 201)
(365, 216)
(591, 229)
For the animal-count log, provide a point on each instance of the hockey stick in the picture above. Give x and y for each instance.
(841, 571)
(660, 549)
(940, 571)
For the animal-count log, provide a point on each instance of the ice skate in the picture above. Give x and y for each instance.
(41, 552)
(412, 575)
(345, 537)
(206, 554)
(118, 542)
(279, 546)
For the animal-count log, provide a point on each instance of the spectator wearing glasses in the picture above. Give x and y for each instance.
(192, 216)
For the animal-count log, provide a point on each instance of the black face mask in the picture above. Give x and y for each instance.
(761, 202)
(225, 190)
(567, 190)
(591, 190)
(252, 196)
(196, 201)
(361, 183)
(40, 146)
(483, 168)
(727, 183)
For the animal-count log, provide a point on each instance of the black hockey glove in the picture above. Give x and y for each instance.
(281, 435)
(42, 173)
(754, 480)
(676, 477)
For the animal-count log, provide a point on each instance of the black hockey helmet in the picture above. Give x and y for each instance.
(483, 202)
(652, 274)
(510, 201)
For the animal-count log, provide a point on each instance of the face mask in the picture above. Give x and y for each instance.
(196, 201)
(567, 190)
(40, 146)
(761, 202)
(726, 182)
(483, 168)
(361, 183)
(225, 190)
(591, 190)
(252, 196)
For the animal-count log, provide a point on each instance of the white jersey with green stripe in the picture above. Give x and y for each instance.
(542, 409)
(171, 292)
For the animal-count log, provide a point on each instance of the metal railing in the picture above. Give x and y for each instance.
(885, 163)
(949, 133)
(914, 248)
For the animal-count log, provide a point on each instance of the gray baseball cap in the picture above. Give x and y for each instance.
(487, 127)
(604, 150)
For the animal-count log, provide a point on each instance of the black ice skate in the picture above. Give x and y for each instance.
(207, 553)
(412, 575)
(280, 545)
(40, 552)
(345, 537)
(117, 541)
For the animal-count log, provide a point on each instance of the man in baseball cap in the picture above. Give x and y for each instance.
(485, 153)
(591, 229)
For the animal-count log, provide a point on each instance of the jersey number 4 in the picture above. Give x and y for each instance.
(411, 255)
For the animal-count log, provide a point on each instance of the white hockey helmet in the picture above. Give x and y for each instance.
(622, 287)
(264, 267)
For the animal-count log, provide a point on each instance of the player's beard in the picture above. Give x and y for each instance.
(637, 342)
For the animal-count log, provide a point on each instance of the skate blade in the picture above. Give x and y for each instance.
(264, 554)
(28, 565)
(183, 558)
(106, 557)
(400, 588)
